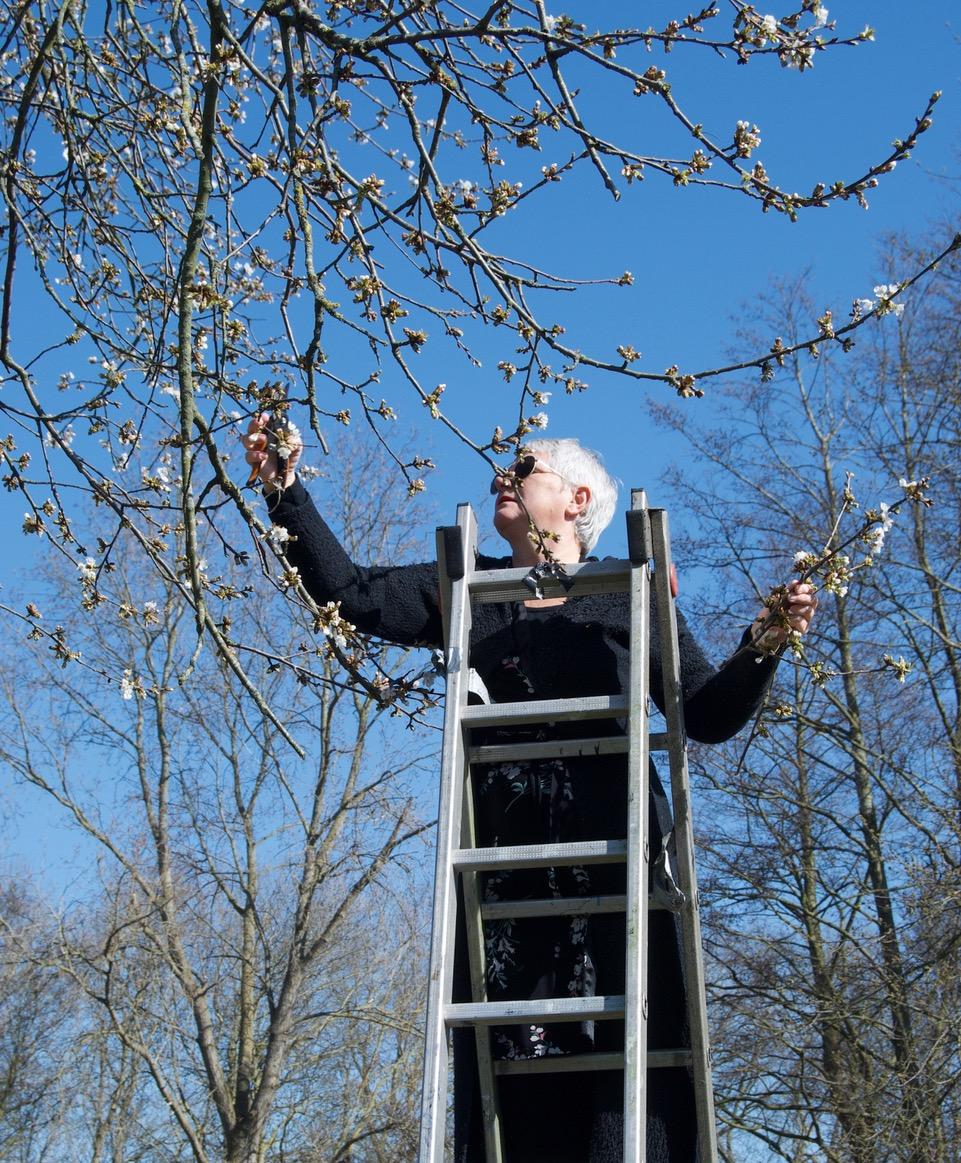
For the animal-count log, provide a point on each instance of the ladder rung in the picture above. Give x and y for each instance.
(549, 749)
(590, 577)
(539, 855)
(561, 1063)
(544, 711)
(572, 906)
(578, 1063)
(662, 1059)
(540, 1009)
(560, 748)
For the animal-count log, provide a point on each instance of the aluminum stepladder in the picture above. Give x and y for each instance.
(648, 564)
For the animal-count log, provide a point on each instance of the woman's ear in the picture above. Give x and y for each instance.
(580, 499)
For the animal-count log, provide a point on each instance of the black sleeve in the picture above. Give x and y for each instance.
(719, 702)
(398, 603)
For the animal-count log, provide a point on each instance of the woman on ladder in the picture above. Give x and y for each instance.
(553, 502)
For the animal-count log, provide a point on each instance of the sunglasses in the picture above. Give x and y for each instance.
(521, 469)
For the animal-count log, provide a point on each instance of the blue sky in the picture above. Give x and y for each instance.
(700, 256)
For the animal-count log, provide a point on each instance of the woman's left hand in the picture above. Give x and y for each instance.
(794, 612)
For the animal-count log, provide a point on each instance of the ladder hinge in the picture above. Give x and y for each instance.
(453, 544)
(640, 547)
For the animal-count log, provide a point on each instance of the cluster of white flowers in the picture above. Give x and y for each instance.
(885, 292)
(797, 55)
(747, 138)
(88, 572)
(290, 437)
(837, 574)
(332, 625)
(131, 685)
(65, 435)
(898, 666)
(278, 536)
(796, 49)
(916, 490)
(874, 537)
(883, 301)
(159, 480)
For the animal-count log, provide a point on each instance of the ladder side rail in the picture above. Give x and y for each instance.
(458, 615)
(635, 1025)
(684, 842)
(477, 960)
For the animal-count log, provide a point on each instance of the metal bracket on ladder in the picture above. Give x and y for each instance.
(458, 857)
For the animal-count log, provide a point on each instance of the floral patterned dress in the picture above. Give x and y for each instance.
(534, 803)
(553, 1117)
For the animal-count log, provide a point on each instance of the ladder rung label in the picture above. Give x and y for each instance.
(590, 577)
(554, 907)
(542, 1009)
(544, 711)
(583, 1063)
(540, 855)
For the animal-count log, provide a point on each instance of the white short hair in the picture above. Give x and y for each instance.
(581, 466)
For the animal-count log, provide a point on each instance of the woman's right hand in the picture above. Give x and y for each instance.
(263, 459)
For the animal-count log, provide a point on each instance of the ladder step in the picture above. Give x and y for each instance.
(582, 1063)
(561, 1063)
(539, 855)
(544, 711)
(560, 748)
(541, 1009)
(576, 906)
(590, 577)
(549, 749)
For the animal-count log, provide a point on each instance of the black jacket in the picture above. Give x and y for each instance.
(576, 650)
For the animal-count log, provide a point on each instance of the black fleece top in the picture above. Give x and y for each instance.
(570, 651)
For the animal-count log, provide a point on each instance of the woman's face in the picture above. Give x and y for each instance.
(548, 502)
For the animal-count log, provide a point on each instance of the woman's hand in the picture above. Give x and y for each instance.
(792, 609)
(262, 444)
